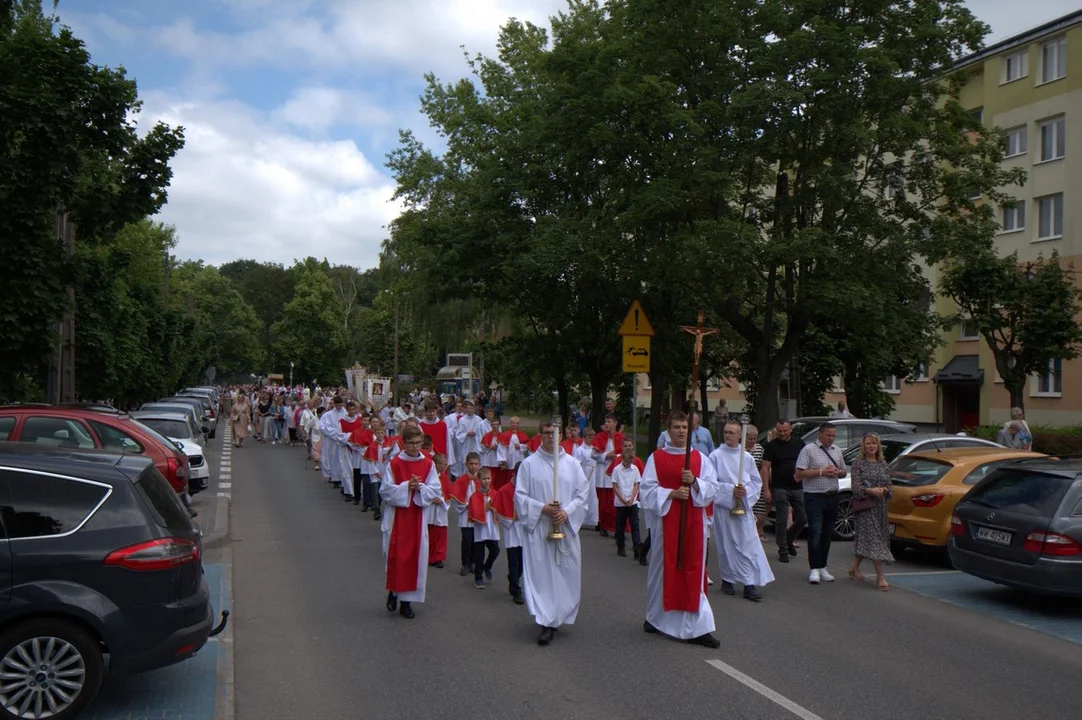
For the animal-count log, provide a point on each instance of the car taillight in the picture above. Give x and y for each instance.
(1051, 544)
(957, 528)
(155, 555)
(928, 500)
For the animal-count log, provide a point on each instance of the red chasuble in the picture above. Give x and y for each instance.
(534, 443)
(490, 439)
(681, 588)
(570, 445)
(373, 452)
(601, 440)
(438, 432)
(504, 438)
(460, 488)
(404, 551)
(476, 512)
(354, 428)
(445, 485)
(503, 502)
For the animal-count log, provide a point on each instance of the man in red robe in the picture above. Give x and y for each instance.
(674, 500)
(607, 447)
(411, 485)
(436, 429)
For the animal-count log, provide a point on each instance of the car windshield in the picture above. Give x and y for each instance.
(916, 471)
(169, 428)
(156, 435)
(800, 429)
(1021, 491)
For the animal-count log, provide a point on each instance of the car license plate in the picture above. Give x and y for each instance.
(999, 537)
(891, 528)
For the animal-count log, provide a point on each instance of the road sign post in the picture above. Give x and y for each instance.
(636, 332)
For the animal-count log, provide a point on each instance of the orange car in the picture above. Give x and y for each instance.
(927, 486)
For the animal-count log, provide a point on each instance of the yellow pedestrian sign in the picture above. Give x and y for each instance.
(636, 323)
(636, 353)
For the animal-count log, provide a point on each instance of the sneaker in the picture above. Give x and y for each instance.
(518, 599)
(479, 584)
(813, 577)
(463, 571)
(621, 552)
(709, 581)
(825, 576)
(488, 575)
(792, 550)
(783, 557)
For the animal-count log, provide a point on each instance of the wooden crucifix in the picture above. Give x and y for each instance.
(699, 332)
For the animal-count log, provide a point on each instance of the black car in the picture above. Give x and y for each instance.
(101, 559)
(1022, 527)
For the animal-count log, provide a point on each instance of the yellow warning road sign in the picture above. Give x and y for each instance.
(636, 323)
(636, 353)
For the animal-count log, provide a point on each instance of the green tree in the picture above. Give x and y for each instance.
(67, 140)
(311, 333)
(267, 287)
(1026, 312)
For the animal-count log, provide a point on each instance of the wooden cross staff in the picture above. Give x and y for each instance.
(699, 332)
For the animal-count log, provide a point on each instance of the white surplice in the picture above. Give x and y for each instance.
(335, 451)
(656, 503)
(552, 570)
(467, 444)
(585, 455)
(740, 551)
(396, 496)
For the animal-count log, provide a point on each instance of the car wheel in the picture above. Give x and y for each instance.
(845, 524)
(49, 668)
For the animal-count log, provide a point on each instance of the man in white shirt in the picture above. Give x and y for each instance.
(625, 486)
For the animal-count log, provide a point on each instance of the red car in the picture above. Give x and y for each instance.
(81, 429)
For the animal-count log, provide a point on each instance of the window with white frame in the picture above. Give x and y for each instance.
(1050, 217)
(893, 384)
(969, 330)
(1053, 139)
(1054, 60)
(922, 373)
(1050, 382)
(1017, 141)
(1014, 217)
(1015, 67)
(713, 383)
(837, 384)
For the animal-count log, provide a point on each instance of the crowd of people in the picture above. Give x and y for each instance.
(423, 464)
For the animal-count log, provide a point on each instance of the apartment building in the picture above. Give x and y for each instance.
(1031, 86)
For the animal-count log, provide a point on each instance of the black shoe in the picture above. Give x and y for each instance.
(406, 611)
(792, 550)
(377, 515)
(348, 498)
(356, 502)
(621, 552)
(545, 637)
(637, 552)
(643, 560)
(517, 597)
(783, 557)
(438, 564)
(479, 584)
(604, 533)
(488, 575)
(707, 641)
(392, 602)
(648, 628)
(750, 593)
(463, 571)
(192, 512)
(364, 507)
(727, 588)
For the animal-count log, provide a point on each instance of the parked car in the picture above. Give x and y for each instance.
(202, 406)
(100, 558)
(905, 443)
(73, 429)
(179, 428)
(182, 407)
(850, 430)
(1022, 527)
(927, 486)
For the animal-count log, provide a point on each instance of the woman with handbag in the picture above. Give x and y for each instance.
(871, 494)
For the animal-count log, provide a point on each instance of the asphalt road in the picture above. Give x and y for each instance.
(313, 639)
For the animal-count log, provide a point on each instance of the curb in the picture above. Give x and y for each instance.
(225, 697)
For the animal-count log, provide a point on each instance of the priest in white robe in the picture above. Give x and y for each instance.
(410, 486)
(335, 452)
(552, 569)
(676, 602)
(740, 551)
(468, 431)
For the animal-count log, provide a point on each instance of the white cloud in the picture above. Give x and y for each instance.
(243, 187)
(320, 107)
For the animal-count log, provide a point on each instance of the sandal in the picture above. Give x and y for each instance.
(882, 584)
(856, 575)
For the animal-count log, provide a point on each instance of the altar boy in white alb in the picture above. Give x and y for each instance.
(740, 551)
(552, 569)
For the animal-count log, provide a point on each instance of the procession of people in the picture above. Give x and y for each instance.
(530, 499)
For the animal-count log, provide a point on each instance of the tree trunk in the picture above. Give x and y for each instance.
(1017, 390)
(561, 400)
(599, 384)
(767, 382)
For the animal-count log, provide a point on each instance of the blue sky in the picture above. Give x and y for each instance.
(291, 105)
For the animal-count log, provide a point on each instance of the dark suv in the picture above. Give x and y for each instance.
(99, 557)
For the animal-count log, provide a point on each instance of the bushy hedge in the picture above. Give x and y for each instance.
(1050, 440)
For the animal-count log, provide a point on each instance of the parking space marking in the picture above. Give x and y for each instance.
(776, 698)
(1058, 617)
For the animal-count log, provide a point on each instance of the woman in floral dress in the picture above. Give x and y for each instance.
(871, 481)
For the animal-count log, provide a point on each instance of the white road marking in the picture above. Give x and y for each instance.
(225, 485)
(763, 690)
(224, 476)
(221, 494)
